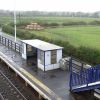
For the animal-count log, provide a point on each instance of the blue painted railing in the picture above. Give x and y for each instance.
(81, 76)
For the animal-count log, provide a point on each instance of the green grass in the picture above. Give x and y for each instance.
(63, 19)
(60, 20)
(6, 20)
(88, 36)
(76, 35)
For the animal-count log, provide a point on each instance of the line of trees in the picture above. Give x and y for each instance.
(44, 13)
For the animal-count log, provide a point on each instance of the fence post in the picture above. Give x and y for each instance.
(19, 48)
(8, 43)
(5, 41)
(70, 67)
(81, 74)
(2, 40)
(87, 77)
(11, 44)
(15, 46)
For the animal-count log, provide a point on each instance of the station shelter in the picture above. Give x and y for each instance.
(44, 55)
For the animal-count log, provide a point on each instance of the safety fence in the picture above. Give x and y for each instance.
(80, 75)
(10, 44)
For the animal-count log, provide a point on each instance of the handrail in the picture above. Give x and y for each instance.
(83, 76)
(10, 44)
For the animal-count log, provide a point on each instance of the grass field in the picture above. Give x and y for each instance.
(5, 20)
(88, 36)
(59, 19)
(76, 35)
(48, 19)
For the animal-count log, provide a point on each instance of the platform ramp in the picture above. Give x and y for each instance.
(83, 78)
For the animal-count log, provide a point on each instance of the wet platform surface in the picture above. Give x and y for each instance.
(55, 82)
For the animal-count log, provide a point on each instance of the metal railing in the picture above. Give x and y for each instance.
(79, 75)
(10, 44)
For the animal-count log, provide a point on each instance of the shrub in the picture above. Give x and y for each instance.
(18, 24)
(74, 23)
(44, 24)
(49, 24)
(23, 23)
(88, 55)
(8, 29)
(95, 23)
(54, 24)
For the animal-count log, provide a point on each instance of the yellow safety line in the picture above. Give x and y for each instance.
(33, 78)
(39, 83)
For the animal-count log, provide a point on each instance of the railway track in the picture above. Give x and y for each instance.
(8, 90)
(1, 97)
(21, 91)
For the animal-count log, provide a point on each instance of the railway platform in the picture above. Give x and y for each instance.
(51, 85)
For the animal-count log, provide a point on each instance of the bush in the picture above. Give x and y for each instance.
(95, 23)
(44, 24)
(49, 24)
(74, 23)
(23, 23)
(8, 29)
(23, 34)
(18, 24)
(88, 55)
(54, 24)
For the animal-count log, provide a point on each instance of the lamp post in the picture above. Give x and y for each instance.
(15, 19)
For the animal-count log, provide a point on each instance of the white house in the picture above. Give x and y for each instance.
(46, 55)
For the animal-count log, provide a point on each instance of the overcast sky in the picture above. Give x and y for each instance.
(52, 5)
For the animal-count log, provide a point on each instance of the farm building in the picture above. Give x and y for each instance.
(44, 55)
